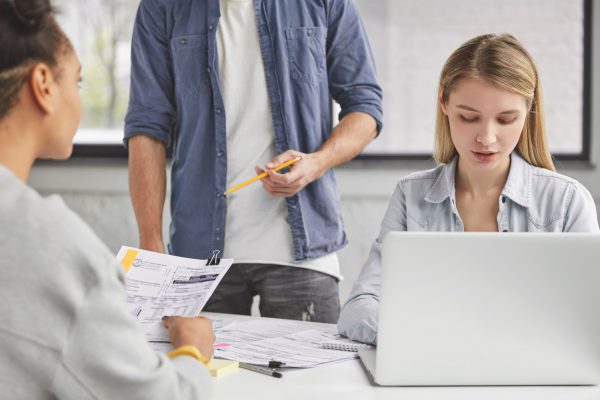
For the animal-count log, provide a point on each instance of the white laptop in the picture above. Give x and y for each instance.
(488, 309)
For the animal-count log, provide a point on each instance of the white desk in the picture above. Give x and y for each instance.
(348, 381)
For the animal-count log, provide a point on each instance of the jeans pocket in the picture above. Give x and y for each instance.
(190, 62)
(307, 54)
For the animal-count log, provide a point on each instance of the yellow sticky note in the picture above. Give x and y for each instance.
(219, 367)
(129, 258)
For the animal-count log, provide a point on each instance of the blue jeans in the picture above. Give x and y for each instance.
(285, 292)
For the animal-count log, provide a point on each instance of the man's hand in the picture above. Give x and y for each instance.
(191, 331)
(304, 171)
(347, 140)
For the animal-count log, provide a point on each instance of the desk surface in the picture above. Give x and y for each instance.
(349, 380)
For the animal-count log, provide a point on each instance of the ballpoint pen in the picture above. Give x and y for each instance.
(261, 370)
(276, 364)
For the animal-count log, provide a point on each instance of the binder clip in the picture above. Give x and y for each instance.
(214, 260)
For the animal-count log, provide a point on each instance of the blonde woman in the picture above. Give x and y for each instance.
(495, 171)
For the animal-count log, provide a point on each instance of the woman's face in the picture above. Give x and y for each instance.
(485, 123)
(66, 108)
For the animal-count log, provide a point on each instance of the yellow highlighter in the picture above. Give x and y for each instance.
(261, 176)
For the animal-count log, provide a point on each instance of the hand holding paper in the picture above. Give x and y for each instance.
(160, 285)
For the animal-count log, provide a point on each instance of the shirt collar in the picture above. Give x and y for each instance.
(444, 184)
(518, 184)
(517, 187)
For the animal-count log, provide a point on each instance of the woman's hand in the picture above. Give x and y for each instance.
(191, 331)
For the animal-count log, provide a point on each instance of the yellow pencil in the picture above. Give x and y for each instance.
(261, 176)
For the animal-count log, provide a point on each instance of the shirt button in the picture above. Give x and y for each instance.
(183, 41)
(210, 27)
(220, 153)
(503, 199)
(218, 238)
(309, 32)
(218, 111)
(219, 194)
(208, 70)
(218, 229)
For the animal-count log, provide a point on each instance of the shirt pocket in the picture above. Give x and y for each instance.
(307, 54)
(414, 225)
(190, 63)
(553, 223)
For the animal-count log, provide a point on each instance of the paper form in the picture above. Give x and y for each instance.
(260, 341)
(258, 329)
(217, 323)
(160, 285)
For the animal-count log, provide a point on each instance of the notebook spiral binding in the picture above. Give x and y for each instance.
(344, 346)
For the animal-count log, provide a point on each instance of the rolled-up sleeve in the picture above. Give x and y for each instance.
(151, 101)
(350, 65)
(360, 315)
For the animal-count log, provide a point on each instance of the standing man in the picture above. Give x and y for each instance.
(234, 85)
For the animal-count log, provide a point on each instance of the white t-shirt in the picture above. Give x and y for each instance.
(256, 229)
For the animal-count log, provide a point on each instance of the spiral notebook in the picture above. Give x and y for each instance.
(345, 344)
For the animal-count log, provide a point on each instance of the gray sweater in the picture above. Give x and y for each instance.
(65, 330)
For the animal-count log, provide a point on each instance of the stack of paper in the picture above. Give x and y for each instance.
(289, 342)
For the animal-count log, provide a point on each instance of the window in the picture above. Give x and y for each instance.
(410, 39)
(101, 33)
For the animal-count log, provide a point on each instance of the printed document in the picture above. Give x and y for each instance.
(295, 343)
(160, 285)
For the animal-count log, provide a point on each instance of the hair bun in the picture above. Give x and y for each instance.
(31, 15)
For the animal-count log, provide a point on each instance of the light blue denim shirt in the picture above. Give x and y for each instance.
(533, 200)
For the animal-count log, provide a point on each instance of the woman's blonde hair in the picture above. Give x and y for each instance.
(502, 61)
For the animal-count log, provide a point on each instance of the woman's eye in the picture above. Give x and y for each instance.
(506, 121)
(465, 119)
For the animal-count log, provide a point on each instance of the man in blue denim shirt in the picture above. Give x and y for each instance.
(240, 83)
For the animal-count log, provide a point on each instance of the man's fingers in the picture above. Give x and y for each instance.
(275, 190)
(280, 159)
(281, 194)
(286, 179)
(286, 189)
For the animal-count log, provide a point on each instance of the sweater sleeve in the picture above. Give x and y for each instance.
(105, 355)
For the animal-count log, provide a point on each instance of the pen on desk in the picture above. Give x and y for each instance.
(276, 364)
(261, 370)
(261, 176)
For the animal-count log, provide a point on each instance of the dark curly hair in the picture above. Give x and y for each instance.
(28, 34)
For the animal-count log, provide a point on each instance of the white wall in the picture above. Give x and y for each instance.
(97, 189)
